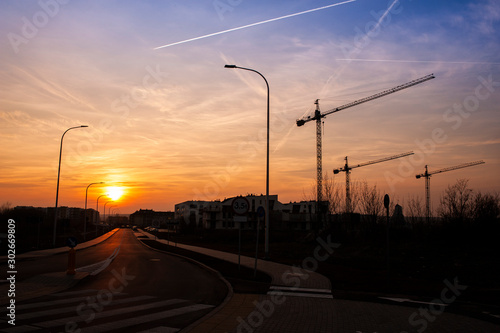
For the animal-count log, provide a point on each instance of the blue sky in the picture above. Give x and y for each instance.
(173, 125)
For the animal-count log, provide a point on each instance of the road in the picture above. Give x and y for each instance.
(139, 289)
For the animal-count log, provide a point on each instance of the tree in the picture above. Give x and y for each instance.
(332, 194)
(456, 203)
(370, 199)
(5, 208)
(415, 208)
(486, 207)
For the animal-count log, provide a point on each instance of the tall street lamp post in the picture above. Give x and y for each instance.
(97, 212)
(85, 219)
(105, 209)
(267, 159)
(58, 176)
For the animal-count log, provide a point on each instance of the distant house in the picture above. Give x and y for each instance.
(291, 216)
(190, 212)
(148, 217)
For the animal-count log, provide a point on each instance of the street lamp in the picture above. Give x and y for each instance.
(58, 176)
(267, 159)
(97, 212)
(85, 220)
(105, 209)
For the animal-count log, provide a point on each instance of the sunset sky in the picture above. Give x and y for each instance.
(170, 124)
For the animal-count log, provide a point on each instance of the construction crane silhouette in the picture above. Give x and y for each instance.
(347, 169)
(318, 116)
(427, 175)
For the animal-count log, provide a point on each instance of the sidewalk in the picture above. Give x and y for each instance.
(49, 283)
(288, 283)
(301, 301)
(282, 275)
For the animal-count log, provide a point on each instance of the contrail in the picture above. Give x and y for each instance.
(254, 24)
(423, 61)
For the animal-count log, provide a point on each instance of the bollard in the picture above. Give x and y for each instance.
(71, 262)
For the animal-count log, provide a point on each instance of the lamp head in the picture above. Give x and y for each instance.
(230, 66)
(84, 126)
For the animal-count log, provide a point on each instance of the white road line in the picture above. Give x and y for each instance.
(58, 311)
(285, 293)
(109, 313)
(20, 329)
(401, 300)
(49, 303)
(161, 329)
(147, 318)
(55, 302)
(300, 289)
(78, 292)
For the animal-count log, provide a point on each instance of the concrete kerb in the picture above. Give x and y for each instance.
(282, 275)
(59, 250)
(226, 300)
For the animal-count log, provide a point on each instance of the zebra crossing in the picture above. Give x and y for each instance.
(83, 311)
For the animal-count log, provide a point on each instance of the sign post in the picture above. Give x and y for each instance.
(240, 209)
(261, 213)
(386, 205)
(71, 242)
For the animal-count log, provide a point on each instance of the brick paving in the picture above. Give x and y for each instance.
(245, 313)
(292, 314)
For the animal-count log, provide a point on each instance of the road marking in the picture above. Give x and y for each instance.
(21, 329)
(401, 300)
(161, 329)
(98, 267)
(300, 292)
(109, 313)
(147, 318)
(78, 292)
(301, 289)
(284, 293)
(52, 312)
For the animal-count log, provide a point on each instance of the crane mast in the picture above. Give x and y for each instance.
(318, 115)
(427, 175)
(347, 169)
(319, 161)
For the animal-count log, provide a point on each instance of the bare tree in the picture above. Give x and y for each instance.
(415, 208)
(332, 194)
(370, 199)
(486, 207)
(5, 208)
(456, 203)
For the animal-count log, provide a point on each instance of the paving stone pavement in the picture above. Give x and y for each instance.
(305, 312)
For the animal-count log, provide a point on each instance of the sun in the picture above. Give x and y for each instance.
(114, 192)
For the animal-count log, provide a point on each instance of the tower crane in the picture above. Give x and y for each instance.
(347, 169)
(427, 175)
(318, 116)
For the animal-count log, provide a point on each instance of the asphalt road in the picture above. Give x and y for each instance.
(140, 289)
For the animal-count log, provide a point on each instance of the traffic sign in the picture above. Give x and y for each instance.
(261, 212)
(71, 242)
(240, 205)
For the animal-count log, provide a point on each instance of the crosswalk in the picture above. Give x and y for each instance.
(92, 311)
(300, 292)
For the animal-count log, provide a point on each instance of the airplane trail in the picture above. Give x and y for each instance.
(254, 24)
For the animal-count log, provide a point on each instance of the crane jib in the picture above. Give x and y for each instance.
(302, 121)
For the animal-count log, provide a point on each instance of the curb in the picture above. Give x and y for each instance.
(226, 300)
